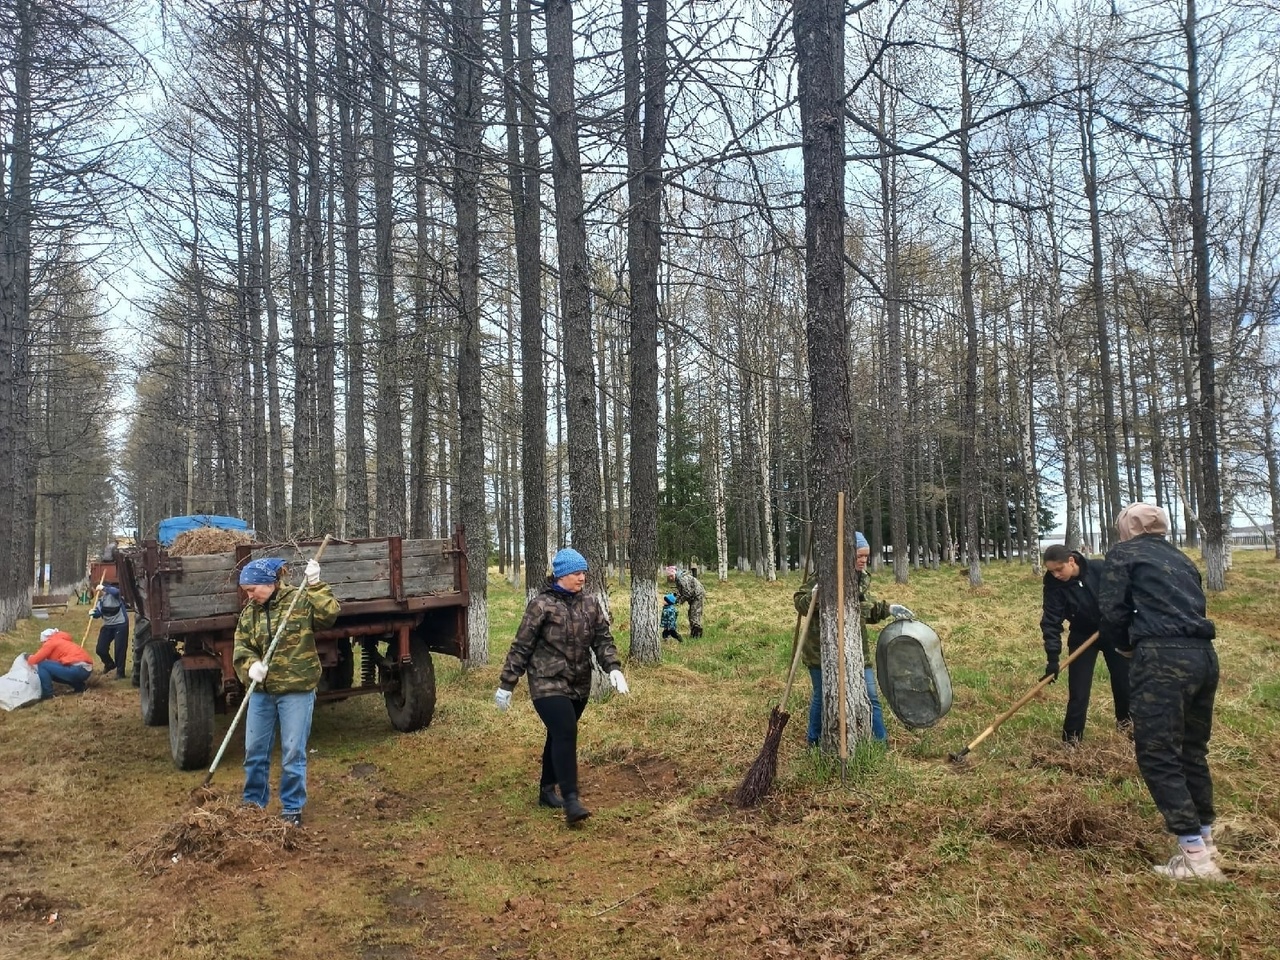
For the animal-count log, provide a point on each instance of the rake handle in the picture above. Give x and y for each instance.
(1025, 699)
(802, 628)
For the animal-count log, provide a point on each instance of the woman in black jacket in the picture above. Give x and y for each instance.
(1071, 585)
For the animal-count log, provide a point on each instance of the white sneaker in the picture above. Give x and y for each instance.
(1192, 866)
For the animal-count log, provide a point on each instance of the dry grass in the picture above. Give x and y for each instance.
(430, 845)
(204, 540)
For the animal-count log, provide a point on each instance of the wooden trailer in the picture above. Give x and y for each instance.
(401, 601)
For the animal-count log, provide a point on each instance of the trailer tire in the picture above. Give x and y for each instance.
(158, 658)
(191, 708)
(411, 702)
(141, 637)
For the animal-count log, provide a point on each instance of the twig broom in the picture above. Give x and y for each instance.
(756, 784)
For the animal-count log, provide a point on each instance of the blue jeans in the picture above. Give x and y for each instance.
(293, 712)
(814, 733)
(51, 670)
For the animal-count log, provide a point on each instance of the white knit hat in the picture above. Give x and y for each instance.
(46, 634)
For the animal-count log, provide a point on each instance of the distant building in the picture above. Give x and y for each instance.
(1252, 536)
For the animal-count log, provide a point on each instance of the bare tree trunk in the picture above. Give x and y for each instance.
(819, 35)
(355, 448)
(523, 162)
(468, 131)
(390, 439)
(1110, 472)
(1206, 410)
(969, 479)
(645, 148)
(324, 507)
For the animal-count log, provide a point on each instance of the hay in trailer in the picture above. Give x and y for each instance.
(204, 540)
(219, 831)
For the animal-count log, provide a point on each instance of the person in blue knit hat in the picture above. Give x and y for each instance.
(562, 627)
(283, 687)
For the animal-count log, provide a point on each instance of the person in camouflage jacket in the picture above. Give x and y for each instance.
(689, 589)
(1152, 599)
(561, 629)
(870, 611)
(286, 687)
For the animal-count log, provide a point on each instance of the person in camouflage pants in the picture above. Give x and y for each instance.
(1152, 604)
(691, 591)
(286, 691)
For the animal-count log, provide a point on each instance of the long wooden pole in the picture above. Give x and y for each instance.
(840, 664)
(97, 595)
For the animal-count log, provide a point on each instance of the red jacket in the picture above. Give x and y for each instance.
(60, 648)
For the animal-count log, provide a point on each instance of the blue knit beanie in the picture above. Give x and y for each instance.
(264, 570)
(670, 598)
(567, 561)
(861, 540)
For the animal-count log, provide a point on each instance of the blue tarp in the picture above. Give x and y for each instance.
(170, 528)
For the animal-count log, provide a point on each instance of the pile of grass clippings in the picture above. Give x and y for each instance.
(205, 540)
(218, 831)
(1066, 818)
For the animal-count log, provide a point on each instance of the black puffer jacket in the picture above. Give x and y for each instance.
(1075, 600)
(554, 644)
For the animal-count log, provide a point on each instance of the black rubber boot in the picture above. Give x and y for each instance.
(547, 796)
(574, 811)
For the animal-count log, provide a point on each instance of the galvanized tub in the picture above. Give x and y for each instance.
(912, 674)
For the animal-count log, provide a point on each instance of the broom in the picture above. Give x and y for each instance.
(759, 779)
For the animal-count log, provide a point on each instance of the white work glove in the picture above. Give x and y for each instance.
(619, 681)
(899, 612)
(502, 698)
(257, 671)
(313, 572)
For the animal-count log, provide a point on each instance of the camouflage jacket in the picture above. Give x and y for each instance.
(1075, 600)
(872, 611)
(688, 587)
(554, 644)
(295, 665)
(1150, 590)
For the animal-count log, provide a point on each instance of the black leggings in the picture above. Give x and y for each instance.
(560, 715)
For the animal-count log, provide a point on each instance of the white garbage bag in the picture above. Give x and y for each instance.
(20, 686)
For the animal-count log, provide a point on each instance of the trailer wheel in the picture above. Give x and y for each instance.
(191, 707)
(141, 637)
(158, 658)
(411, 703)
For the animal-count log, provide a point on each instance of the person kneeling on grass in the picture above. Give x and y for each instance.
(286, 691)
(561, 628)
(60, 658)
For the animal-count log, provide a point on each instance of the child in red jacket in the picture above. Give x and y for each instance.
(60, 658)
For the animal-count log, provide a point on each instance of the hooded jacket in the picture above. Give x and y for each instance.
(554, 643)
(1075, 600)
(1150, 589)
(295, 665)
